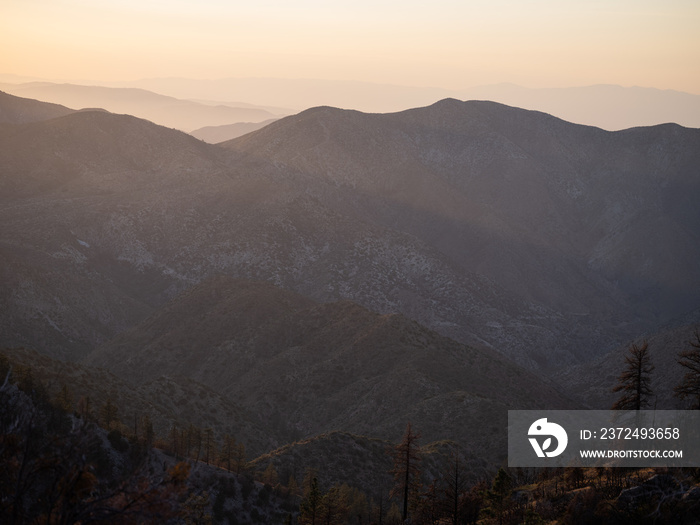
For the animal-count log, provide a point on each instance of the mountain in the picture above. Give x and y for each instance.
(610, 107)
(216, 134)
(605, 106)
(308, 367)
(596, 231)
(18, 110)
(61, 176)
(299, 93)
(167, 111)
(549, 242)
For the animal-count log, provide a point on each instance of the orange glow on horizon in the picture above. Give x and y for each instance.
(450, 44)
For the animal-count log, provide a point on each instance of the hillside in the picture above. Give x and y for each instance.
(339, 457)
(60, 176)
(166, 401)
(597, 230)
(306, 367)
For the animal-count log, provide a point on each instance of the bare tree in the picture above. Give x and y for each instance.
(635, 380)
(455, 489)
(406, 469)
(690, 385)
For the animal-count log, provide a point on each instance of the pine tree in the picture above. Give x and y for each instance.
(635, 380)
(406, 469)
(690, 385)
(311, 504)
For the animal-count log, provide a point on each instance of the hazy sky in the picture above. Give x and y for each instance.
(445, 43)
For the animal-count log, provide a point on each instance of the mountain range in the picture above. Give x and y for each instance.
(338, 270)
(492, 225)
(610, 107)
(185, 115)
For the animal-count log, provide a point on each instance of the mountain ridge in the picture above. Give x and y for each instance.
(185, 115)
(560, 204)
(20, 110)
(610, 107)
(493, 225)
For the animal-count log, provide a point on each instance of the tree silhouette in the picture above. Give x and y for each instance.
(455, 489)
(635, 380)
(690, 384)
(406, 469)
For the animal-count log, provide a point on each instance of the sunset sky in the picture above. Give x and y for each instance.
(444, 43)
